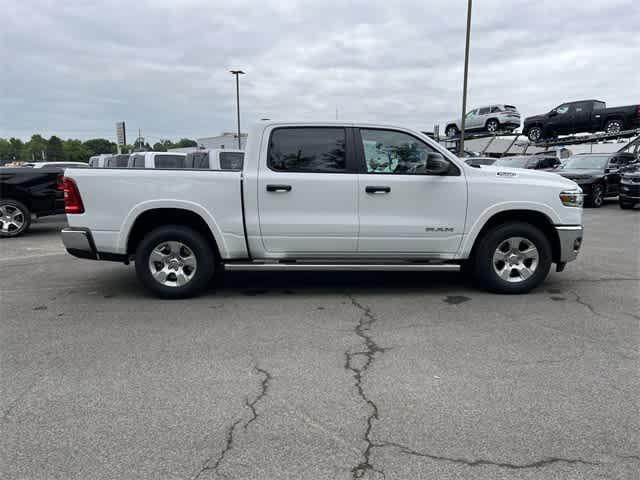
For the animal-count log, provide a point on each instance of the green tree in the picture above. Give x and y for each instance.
(55, 151)
(10, 150)
(97, 146)
(75, 151)
(35, 149)
(185, 142)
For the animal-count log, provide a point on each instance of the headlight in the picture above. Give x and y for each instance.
(572, 198)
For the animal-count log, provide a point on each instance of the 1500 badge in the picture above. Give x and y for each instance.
(438, 229)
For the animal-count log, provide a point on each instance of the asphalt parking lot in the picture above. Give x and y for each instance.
(321, 376)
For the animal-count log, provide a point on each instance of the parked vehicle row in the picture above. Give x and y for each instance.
(327, 196)
(597, 174)
(629, 194)
(214, 159)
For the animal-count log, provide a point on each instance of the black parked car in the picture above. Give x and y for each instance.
(531, 162)
(579, 117)
(27, 191)
(630, 187)
(598, 174)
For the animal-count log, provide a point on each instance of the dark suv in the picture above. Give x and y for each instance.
(630, 187)
(598, 174)
(531, 162)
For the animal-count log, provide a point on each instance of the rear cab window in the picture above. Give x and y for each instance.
(308, 149)
(197, 160)
(231, 160)
(169, 161)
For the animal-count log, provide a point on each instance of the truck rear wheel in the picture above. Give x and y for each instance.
(512, 258)
(175, 261)
(15, 218)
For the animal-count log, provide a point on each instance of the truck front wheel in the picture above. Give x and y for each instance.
(512, 258)
(174, 261)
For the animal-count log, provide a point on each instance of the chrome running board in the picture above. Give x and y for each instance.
(336, 267)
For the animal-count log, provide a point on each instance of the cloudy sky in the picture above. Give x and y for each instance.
(73, 68)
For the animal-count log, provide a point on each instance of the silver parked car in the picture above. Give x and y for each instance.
(492, 118)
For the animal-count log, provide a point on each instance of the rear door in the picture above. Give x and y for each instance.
(401, 210)
(581, 117)
(307, 192)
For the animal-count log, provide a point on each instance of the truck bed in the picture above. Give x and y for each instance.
(116, 197)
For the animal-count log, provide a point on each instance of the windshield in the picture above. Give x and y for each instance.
(513, 162)
(586, 162)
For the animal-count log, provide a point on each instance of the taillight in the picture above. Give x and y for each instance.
(72, 199)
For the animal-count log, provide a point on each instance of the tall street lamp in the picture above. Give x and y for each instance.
(464, 87)
(237, 73)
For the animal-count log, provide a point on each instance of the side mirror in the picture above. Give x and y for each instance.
(437, 164)
(553, 113)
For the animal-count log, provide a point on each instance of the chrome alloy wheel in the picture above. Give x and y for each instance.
(11, 218)
(515, 259)
(172, 264)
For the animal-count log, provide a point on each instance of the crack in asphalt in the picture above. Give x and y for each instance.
(363, 330)
(264, 388)
(482, 462)
(231, 431)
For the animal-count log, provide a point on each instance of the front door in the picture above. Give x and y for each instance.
(307, 193)
(560, 120)
(403, 210)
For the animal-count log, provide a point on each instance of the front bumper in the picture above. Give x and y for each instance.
(570, 237)
(79, 243)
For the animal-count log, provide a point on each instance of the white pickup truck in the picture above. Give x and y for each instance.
(327, 196)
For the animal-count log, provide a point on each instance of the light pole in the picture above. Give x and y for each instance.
(237, 73)
(464, 87)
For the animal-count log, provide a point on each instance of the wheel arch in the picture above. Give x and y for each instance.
(151, 218)
(533, 217)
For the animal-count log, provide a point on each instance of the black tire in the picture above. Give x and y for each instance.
(485, 266)
(451, 131)
(195, 243)
(626, 205)
(614, 126)
(19, 213)
(492, 125)
(535, 134)
(596, 198)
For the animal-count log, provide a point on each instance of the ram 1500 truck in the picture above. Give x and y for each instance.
(327, 196)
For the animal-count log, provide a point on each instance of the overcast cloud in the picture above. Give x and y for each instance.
(74, 68)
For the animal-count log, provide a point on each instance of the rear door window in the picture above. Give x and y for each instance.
(308, 149)
(483, 111)
(169, 161)
(495, 109)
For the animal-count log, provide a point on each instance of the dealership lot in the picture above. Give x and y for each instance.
(320, 375)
